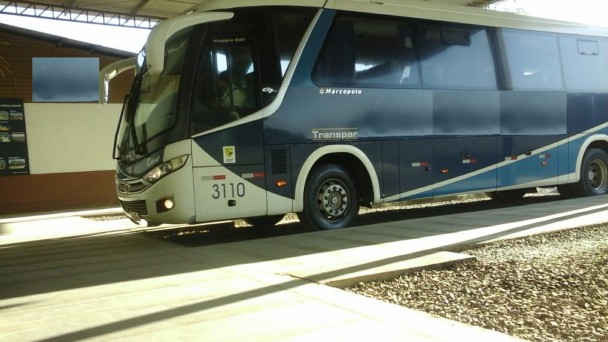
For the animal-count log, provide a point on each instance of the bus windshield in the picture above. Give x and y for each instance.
(152, 106)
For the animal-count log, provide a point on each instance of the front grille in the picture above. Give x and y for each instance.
(138, 207)
(130, 188)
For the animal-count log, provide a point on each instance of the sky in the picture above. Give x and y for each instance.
(591, 12)
(122, 38)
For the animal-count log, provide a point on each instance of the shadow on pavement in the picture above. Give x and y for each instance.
(40, 267)
(259, 292)
(69, 263)
(199, 235)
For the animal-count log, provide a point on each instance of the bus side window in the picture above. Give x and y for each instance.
(336, 65)
(289, 28)
(385, 55)
(531, 60)
(455, 56)
(366, 51)
(584, 63)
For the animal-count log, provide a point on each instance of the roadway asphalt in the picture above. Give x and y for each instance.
(65, 277)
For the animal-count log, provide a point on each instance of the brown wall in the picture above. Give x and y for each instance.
(17, 52)
(58, 191)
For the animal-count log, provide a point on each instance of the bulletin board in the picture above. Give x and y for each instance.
(14, 158)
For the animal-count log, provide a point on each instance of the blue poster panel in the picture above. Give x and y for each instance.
(13, 138)
(65, 79)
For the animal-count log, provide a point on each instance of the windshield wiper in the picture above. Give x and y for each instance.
(122, 113)
(140, 148)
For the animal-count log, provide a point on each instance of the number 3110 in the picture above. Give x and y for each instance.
(229, 190)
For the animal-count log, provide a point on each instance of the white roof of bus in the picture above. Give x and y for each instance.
(423, 10)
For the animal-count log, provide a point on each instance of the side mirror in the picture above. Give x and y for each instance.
(109, 72)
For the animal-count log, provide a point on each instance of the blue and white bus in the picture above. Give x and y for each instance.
(252, 110)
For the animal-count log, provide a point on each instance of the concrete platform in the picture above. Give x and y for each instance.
(67, 278)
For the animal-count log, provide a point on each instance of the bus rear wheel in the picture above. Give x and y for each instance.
(594, 174)
(330, 198)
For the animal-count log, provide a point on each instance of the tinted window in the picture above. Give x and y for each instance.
(289, 28)
(239, 58)
(456, 57)
(368, 51)
(584, 63)
(531, 60)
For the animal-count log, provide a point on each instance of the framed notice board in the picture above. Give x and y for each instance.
(14, 158)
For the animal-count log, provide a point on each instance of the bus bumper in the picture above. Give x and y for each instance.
(170, 200)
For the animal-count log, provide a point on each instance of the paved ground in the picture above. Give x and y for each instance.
(67, 278)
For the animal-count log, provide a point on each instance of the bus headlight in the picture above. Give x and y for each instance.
(165, 168)
(165, 204)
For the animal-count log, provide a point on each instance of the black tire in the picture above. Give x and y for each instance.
(330, 198)
(594, 174)
(264, 221)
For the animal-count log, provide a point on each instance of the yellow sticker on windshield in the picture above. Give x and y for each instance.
(229, 155)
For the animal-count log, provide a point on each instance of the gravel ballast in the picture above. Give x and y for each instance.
(549, 287)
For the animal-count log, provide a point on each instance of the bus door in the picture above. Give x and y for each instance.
(228, 157)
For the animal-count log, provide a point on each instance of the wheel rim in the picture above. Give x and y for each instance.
(598, 175)
(332, 199)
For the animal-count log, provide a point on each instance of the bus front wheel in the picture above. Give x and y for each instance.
(594, 174)
(330, 198)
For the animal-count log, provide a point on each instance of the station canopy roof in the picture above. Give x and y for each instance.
(131, 13)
